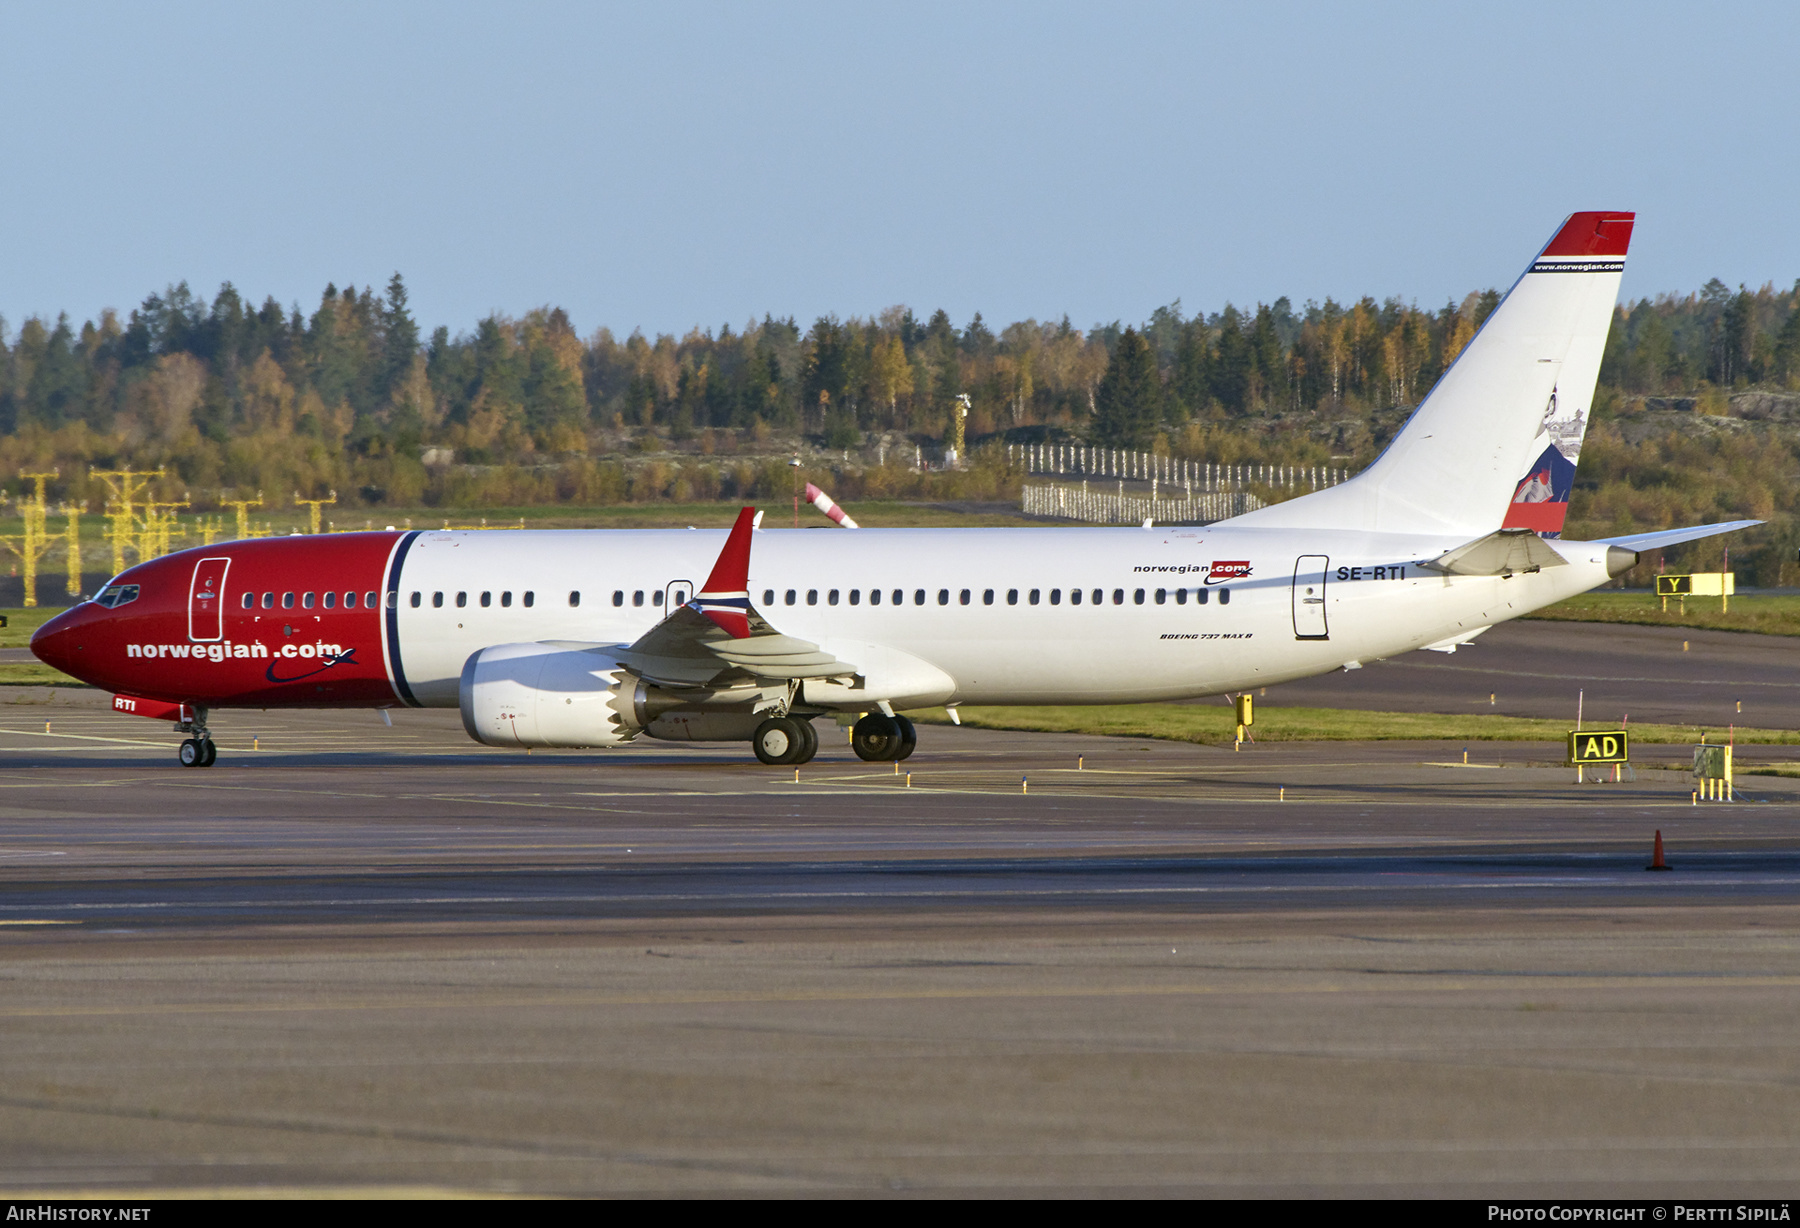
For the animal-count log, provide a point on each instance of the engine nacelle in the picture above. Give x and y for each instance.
(571, 695)
(550, 695)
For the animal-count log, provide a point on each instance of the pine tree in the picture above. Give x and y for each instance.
(1128, 402)
(400, 336)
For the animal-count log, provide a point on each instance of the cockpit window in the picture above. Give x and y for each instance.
(115, 595)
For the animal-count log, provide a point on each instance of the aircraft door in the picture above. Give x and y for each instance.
(676, 594)
(1309, 597)
(206, 601)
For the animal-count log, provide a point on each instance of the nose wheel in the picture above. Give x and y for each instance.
(197, 752)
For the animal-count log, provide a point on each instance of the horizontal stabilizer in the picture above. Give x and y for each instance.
(1674, 537)
(1502, 553)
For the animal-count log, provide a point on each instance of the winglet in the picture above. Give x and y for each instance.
(725, 598)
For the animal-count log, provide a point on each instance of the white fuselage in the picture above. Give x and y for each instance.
(966, 607)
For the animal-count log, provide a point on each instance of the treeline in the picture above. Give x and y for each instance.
(228, 396)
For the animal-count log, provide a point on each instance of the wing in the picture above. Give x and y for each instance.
(719, 638)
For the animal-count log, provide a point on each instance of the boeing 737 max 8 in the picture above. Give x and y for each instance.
(590, 639)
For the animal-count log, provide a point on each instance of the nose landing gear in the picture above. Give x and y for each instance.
(197, 750)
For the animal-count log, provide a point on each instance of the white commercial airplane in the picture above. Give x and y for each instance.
(590, 639)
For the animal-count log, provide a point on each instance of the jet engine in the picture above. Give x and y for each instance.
(573, 695)
(548, 695)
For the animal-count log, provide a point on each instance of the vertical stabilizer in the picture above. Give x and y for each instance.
(1495, 442)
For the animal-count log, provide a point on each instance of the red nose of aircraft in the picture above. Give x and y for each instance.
(61, 642)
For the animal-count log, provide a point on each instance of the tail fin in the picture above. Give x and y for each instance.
(1495, 443)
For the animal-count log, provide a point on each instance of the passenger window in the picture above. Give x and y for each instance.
(287, 600)
(1074, 596)
(618, 597)
(855, 596)
(530, 599)
(792, 596)
(987, 596)
(768, 596)
(637, 598)
(963, 597)
(655, 598)
(368, 601)
(462, 599)
(268, 601)
(306, 601)
(506, 599)
(349, 601)
(1200, 596)
(1224, 596)
(249, 600)
(1012, 596)
(812, 596)
(393, 599)
(574, 599)
(943, 596)
(831, 598)
(330, 601)
(1099, 595)
(437, 601)
(918, 596)
(1162, 595)
(1181, 596)
(900, 597)
(487, 599)
(1137, 596)
(1034, 596)
(874, 596)
(1056, 596)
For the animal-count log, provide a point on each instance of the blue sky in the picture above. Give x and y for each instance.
(664, 166)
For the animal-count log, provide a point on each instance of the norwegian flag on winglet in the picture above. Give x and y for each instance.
(725, 597)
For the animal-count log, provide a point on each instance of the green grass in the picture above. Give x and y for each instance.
(1768, 615)
(1215, 726)
(21, 623)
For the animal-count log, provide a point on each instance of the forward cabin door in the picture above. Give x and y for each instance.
(1309, 597)
(206, 601)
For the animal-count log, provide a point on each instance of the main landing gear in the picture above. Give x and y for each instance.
(785, 741)
(880, 738)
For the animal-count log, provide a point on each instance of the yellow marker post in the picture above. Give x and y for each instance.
(1246, 715)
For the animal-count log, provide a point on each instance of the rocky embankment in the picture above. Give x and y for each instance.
(1754, 412)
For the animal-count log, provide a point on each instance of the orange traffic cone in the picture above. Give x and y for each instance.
(1656, 861)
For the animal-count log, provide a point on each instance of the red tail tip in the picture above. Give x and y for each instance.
(1593, 234)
